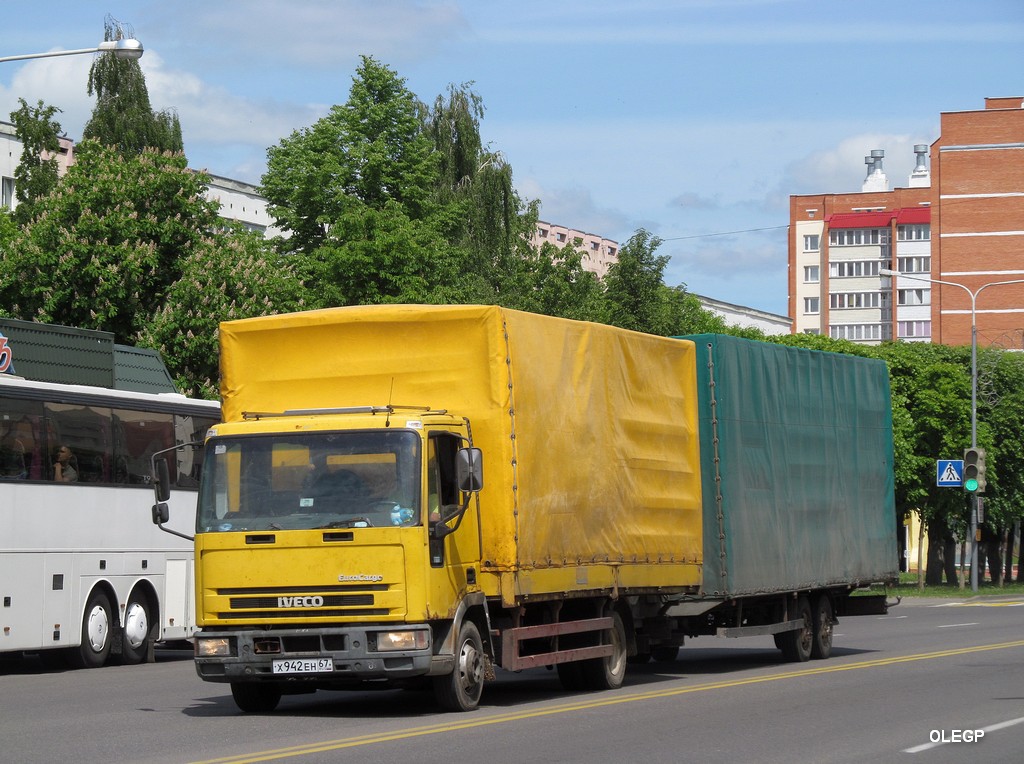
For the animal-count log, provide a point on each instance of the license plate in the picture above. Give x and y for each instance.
(303, 666)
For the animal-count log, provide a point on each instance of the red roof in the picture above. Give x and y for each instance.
(860, 219)
(914, 215)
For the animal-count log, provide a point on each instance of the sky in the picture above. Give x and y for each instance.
(692, 119)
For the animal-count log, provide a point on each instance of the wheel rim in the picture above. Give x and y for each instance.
(97, 628)
(471, 669)
(136, 625)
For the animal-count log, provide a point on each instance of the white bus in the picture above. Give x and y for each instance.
(83, 570)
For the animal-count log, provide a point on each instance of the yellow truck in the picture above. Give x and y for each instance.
(407, 494)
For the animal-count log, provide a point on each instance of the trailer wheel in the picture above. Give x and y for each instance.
(607, 673)
(461, 690)
(255, 697)
(96, 622)
(823, 621)
(797, 645)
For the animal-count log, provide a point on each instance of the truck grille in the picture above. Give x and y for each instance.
(314, 602)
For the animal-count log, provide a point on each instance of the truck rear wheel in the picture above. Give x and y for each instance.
(821, 647)
(797, 645)
(461, 690)
(255, 697)
(607, 673)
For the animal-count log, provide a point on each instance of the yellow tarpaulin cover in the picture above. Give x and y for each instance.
(589, 432)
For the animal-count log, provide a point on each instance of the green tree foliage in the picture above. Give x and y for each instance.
(109, 241)
(634, 286)
(479, 210)
(355, 193)
(123, 116)
(37, 171)
(234, 274)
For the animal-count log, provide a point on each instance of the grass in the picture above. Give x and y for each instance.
(908, 588)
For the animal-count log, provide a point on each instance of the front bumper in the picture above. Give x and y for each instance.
(352, 651)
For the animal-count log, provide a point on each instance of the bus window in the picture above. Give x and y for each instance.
(86, 431)
(21, 449)
(139, 435)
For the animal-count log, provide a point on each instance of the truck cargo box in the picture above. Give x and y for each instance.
(797, 463)
(589, 432)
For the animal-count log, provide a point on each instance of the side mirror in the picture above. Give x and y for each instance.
(161, 480)
(469, 470)
(161, 513)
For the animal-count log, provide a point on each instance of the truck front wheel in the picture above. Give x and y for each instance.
(255, 697)
(461, 690)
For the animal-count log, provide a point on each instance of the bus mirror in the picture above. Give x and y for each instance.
(161, 514)
(469, 469)
(161, 480)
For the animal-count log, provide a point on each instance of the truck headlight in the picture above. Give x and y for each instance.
(213, 647)
(410, 639)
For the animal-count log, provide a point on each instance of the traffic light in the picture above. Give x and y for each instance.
(974, 470)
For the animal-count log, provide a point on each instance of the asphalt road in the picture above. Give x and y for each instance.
(933, 681)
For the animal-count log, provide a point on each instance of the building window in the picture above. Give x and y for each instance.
(7, 193)
(812, 331)
(841, 300)
(812, 305)
(812, 243)
(542, 233)
(854, 268)
(914, 264)
(914, 329)
(812, 274)
(595, 245)
(857, 332)
(913, 296)
(560, 237)
(611, 251)
(914, 232)
(857, 237)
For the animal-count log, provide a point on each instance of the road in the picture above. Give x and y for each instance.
(902, 687)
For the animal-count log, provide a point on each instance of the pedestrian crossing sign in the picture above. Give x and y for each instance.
(949, 473)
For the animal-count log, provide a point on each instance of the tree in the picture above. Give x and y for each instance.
(107, 244)
(478, 206)
(123, 116)
(633, 286)
(37, 172)
(355, 193)
(234, 274)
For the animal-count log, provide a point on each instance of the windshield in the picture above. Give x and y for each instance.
(310, 480)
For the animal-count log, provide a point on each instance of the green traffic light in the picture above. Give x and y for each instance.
(971, 484)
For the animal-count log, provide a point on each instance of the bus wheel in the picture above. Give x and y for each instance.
(137, 628)
(95, 646)
(255, 697)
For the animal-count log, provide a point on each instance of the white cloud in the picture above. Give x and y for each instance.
(59, 82)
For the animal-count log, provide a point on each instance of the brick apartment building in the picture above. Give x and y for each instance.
(960, 219)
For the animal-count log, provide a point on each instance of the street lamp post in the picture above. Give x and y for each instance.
(974, 390)
(129, 48)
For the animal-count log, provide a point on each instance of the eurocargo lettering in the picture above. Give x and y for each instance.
(408, 493)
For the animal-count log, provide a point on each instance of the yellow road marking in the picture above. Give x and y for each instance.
(581, 705)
